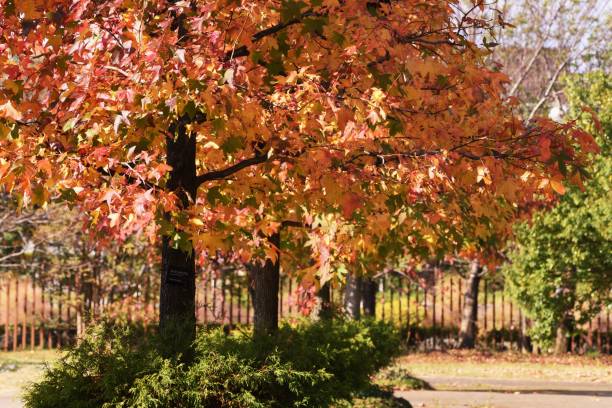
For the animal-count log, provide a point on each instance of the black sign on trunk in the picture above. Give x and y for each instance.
(176, 276)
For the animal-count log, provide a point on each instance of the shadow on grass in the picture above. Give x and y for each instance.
(379, 397)
(380, 393)
(400, 378)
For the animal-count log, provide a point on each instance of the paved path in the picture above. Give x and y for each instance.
(481, 392)
(10, 402)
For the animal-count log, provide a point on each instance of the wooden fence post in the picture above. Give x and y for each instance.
(16, 315)
(7, 305)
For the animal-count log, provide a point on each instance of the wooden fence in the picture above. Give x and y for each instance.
(36, 316)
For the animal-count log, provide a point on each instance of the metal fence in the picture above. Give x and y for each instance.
(428, 312)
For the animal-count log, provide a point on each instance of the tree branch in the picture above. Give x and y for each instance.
(549, 88)
(221, 174)
(243, 51)
(295, 224)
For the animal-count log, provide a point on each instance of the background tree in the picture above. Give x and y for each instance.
(546, 40)
(53, 246)
(560, 269)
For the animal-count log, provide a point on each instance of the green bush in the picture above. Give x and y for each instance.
(308, 365)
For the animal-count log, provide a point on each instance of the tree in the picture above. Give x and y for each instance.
(548, 39)
(469, 316)
(210, 123)
(560, 265)
(52, 247)
(18, 242)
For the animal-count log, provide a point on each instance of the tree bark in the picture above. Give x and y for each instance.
(563, 330)
(352, 297)
(266, 282)
(467, 335)
(370, 288)
(561, 339)
(177, 322)
(323, 308)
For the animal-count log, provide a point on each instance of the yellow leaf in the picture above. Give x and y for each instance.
(4, 131)
(197, 221)
(8, 111)
(484, 175)
(12, 85)
(212, 241)
(114, 219)
(333, 191)
(4, 166)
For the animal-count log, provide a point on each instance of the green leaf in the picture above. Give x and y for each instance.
(338, 38)
(214, 195)
(395, 126)
(232, 144)
(190, 109)
(69, 125)
(256, 56)
(314, 25)
(291, 10)
(68, 195)
(442, 81)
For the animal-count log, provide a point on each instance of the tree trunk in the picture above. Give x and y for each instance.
(370, 288)
(177, 322)
(525, 346)
(323, 308)
(467, 335)
(566, 325)
(563, 331)
(266, 282)
(352, 297)
(561, 339)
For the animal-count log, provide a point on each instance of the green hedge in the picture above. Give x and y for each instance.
(308, 365)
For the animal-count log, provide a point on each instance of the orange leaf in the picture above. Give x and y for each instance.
(45, 165)
(594, 116)
(557, 186)
(350, 202)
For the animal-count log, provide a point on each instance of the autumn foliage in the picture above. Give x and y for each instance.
(374, 126)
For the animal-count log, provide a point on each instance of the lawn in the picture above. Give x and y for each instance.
(510, 366)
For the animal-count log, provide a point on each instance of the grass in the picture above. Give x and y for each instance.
(511, 366)
(29, 357)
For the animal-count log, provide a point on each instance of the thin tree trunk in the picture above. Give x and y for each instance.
(352, 297)
(527, 345)
(177, 320)
(266, 282)
(370, 288)
(467, 335)
(561, 339)
(566, 326)
(323, 308)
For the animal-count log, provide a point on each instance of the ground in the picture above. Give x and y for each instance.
(504, 380)
(19, 368)
(458, 379)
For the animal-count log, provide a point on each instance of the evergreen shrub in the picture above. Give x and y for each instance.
(306, 365)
